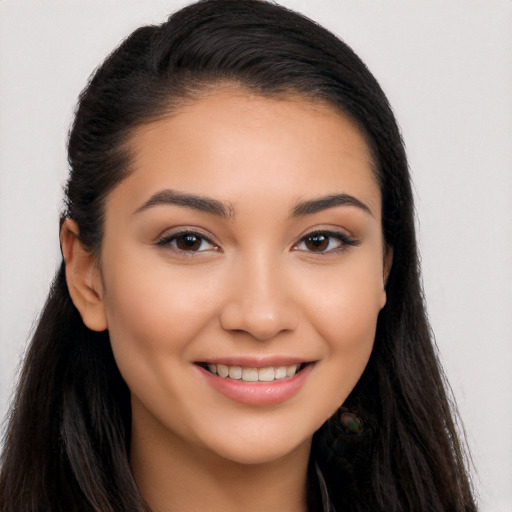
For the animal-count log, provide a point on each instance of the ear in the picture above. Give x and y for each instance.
(388, 262)
(386, 269)
(83, 277)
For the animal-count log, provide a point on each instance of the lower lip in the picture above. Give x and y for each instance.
(258, 393)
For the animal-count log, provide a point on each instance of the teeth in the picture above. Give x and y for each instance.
(280, 373)
(249, 374)
(222, 370)
(266, 374)
(291, 370)
(235, 372)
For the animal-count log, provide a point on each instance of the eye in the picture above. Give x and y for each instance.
(187, 241)
(324, 241)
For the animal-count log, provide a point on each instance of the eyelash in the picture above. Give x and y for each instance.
(344, 241)
(171, 241)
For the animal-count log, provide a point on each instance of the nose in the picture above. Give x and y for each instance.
(260, 301)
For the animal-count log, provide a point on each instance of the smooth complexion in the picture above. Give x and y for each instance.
(247, 235)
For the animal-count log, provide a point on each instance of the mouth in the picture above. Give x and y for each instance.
(252, 374)
(255, 381)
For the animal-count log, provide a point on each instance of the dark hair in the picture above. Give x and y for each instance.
(67, 442)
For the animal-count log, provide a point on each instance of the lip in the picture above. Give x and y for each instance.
(257, 393)
(256, 361)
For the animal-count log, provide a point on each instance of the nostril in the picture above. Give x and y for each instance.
(262, 320)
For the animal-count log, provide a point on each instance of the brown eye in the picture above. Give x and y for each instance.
(325, 242)
(188, 242)
(317, 243)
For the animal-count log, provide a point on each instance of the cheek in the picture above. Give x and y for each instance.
(348, 306)
(345, 315)
(154, 313)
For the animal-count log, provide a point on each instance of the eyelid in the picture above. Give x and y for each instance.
(344, 238)
(165, 239)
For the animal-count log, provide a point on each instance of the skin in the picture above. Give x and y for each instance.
(258, 288)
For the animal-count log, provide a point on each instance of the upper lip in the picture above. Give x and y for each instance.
(262, 361)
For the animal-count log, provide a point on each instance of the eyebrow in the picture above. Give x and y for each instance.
(196, 202)
(226, 211)
(330, 201)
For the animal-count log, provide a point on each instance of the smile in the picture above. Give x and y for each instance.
(251, 374)
(253, 385)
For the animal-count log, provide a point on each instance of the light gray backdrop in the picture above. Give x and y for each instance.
(447, 69)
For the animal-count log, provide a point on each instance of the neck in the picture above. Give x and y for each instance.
(173, 476)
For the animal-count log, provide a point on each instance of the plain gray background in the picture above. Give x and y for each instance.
(446, 67)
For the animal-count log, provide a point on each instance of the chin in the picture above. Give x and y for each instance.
(259, 444)
(261, 453)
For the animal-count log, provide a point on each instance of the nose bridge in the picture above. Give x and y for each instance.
(261, 300)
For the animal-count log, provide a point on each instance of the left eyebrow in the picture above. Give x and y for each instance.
(326, 202)
(196, 202)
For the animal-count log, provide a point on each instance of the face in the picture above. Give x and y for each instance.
(242, 273)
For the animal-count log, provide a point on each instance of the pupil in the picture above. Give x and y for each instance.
(188, 242)
(317, 242)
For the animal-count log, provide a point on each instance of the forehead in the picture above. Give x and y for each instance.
(231, 144)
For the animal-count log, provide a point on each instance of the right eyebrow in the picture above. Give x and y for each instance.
(196, 202)
(330, 201)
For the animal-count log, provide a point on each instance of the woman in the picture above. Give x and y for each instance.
(238, 320)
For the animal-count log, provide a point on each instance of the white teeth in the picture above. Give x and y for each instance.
(249, 374)
(235, 372)
(266, 374)
(291, 370)
(280, 373)
(222, 370)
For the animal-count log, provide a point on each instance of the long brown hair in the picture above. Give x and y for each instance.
(66, 447)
